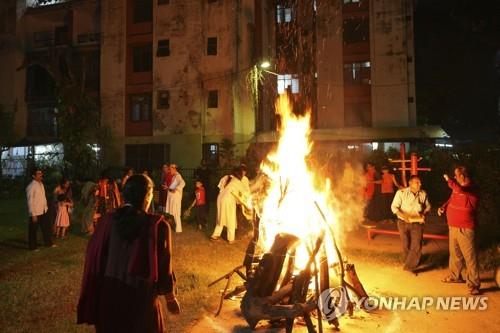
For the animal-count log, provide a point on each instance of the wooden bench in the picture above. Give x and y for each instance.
(372, 230)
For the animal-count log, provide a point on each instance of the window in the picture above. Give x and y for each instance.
(356, 30)
(163, 48)
(61, 35)
(210, 153)
(147, 156)
(163, 101)
(142, 58)
(357, 73)
(163, 2)
(288, 81)
(283, 14)
(143, 11)
(350, 1)
(140, 107)
(212, 46)
(213, 99)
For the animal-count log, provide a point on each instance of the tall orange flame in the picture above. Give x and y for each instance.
(292, 203)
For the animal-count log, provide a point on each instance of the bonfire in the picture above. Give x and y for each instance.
(293, 264)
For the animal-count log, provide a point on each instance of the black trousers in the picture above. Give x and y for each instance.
(45, 224)
(201, 215)
(411, 241)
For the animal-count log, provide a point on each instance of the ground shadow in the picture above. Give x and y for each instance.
(14, 243)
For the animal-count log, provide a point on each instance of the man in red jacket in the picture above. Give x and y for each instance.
(460, 211)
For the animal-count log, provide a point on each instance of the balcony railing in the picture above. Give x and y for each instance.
(43, 3)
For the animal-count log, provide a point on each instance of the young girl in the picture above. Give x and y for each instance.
(62, 218)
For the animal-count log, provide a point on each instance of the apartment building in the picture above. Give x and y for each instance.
(173, 78)
(171, 75)
(350, 61)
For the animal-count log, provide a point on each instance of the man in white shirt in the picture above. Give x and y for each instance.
(411, 205)
(174, 198)
(37, 209)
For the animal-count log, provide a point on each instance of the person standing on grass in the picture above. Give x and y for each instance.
(174, 197)
(128, 266)
(62, 218)
(37, 208)
(200, 203)
(411, 205)
(232, 191)
(460, 211)
(165, 181)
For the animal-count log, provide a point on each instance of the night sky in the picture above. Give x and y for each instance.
(457, 50)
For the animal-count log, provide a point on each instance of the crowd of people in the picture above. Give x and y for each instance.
(129, 254)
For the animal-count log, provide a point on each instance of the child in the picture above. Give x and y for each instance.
(62, 218)
(201, 205)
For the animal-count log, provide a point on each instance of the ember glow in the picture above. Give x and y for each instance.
(293, 204)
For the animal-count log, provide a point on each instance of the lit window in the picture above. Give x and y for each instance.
(140, 107)
(283, 14)
(357, 72)
(350, 1)
(288, 81)
(211, 153)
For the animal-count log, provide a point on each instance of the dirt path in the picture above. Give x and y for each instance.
(388, 279)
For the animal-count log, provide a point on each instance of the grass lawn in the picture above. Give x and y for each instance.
(39, 290)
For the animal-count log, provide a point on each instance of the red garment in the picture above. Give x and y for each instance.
(387, 185)
(168, 179)
(370, 185)
(200, 196)
(462, 205)
(111, 302)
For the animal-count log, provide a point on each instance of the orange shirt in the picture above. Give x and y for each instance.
(387, 185)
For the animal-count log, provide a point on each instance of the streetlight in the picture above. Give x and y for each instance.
(264, 65)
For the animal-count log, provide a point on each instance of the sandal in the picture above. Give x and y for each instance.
(474, 291)
(449, 279)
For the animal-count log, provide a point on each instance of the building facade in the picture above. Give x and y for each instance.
(171, 75)
(349, 61)
(43, 45)
(173, 78)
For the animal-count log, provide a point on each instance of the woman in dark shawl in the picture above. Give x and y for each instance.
(128, 265)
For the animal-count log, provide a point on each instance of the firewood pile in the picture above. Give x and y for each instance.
(275, 291)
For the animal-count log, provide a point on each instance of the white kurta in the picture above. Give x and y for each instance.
(226, 208)
(174, 200)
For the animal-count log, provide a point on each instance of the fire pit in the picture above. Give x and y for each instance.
(293, 264)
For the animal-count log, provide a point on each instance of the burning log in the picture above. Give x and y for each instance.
(260, 302)
(354, 283)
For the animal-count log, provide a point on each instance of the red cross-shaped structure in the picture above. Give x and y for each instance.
(414, 169)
